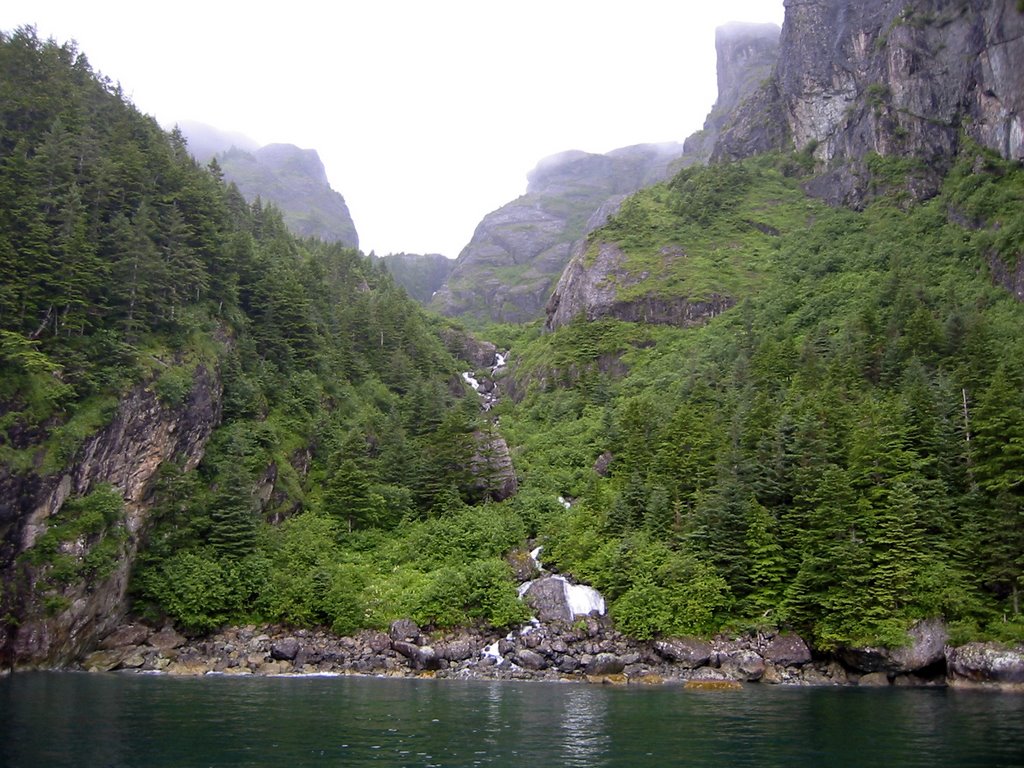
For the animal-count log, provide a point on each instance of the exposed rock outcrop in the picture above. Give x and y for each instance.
(507, 270)
(890, 78)
(986, 663)
(926, 643)
(595, 280)
(49, 624)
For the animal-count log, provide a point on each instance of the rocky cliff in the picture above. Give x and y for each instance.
(518, 251)
(66, 580)
(891, 78)
(746, 55)
(291, 178)
(295, 181)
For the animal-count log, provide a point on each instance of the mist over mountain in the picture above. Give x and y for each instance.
(291, 178)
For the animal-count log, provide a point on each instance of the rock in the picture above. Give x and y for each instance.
(285, 649)
(596, 277)
(142, 435)
(743, 665)
(687, 652)
(603, 463)
(105, 660)
(528, 659)
(405, 630)
(985, 663)
(787, 650)
(874, 680)
(524, 567)
(605, 664)
(880, 77)
(128, 634)
(548, 599)
(420, 657)
(494, 477)
(926, 646)
(166, 639)
(457, 650)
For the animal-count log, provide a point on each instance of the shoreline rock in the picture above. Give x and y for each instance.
(586, 650)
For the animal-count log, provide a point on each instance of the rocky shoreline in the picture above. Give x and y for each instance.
(586, 650)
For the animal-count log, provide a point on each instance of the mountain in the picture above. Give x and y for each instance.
(189, 393)
(888, 79)
(786, 389)
(506, 271)
(291, 178)
(509, 267)
(422, 275)
(876, 95)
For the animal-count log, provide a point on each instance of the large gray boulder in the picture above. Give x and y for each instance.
(687, 652)
(548, 599)
(926, 646)
(985, 663)
(787, 650)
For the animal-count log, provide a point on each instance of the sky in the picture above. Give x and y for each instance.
(427, 115)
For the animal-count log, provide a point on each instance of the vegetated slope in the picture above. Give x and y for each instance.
(841, 452)
(179, 374)
(292, 179)
(421, 274)
(507, 271)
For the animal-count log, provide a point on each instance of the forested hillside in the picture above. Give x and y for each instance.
(132, 282)
(791, 416)
(842, 452)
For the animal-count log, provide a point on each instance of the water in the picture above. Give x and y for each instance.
(115, 721)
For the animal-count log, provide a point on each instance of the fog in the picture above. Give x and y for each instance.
(426, 115)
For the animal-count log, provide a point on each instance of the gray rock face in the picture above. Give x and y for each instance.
(986, 663)
(127, 453)
(404, 630)
(746, 56)
(507, 270)
(295, 181)
(926, 646)
(594, 279)
(787, 650)
(686, 651)
(494, 477)
(891, 78)
(547, 598)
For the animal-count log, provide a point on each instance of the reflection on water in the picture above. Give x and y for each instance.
(58, 720)
(585, 740)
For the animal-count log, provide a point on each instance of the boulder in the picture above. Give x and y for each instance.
(128, 634)
(548, 599)
(457, 650)
(985, 663)
(687, 652)
(285, 649)
(874, 680)
(787, 650)
(926, 646)
(420, 657)
(528, 659)
(166, 639)
(404, 630)
(743, 665)
(605, 664)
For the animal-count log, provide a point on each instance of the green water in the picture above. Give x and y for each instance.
(67, 719)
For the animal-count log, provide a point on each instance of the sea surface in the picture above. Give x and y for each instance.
(115, 720)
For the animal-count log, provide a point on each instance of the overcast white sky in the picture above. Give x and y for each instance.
(427, 115)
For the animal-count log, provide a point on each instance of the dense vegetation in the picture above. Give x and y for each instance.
(840, 453)
(843, 452)
(122, 265)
